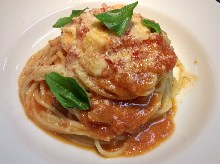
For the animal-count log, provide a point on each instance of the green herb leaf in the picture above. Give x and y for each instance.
(155, 27)
(117, 20)
(66, 20)
(67, 91)
(62, 22)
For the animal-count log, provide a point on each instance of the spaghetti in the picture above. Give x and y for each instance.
(129, 80)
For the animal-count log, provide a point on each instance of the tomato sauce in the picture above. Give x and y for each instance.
(139, 137)
(153, 134)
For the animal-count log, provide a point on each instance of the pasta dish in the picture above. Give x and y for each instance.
(122, 64)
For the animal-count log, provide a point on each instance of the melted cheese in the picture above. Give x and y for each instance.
(139, 30)
(95, 40)
(68, 37)
(93, 64)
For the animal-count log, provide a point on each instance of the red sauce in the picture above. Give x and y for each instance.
(110, 118)
(140, 137)
(131, 120)
(154, 133)
(160, 55)
(131, 125)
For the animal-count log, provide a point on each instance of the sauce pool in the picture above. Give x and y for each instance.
(152, 135)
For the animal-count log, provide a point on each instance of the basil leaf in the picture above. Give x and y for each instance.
(62, 22)
(66, 20)
(155, 27)
(67, 91)
(117, 20)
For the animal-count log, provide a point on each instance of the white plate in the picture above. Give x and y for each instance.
(192, 26)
